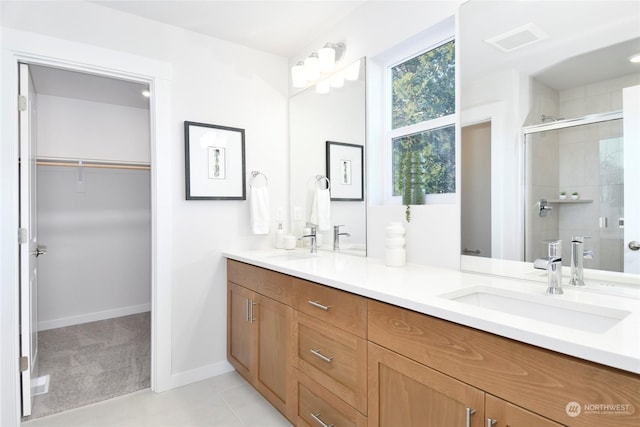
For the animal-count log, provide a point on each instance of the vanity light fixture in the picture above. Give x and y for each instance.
(635, 59)
(318, 63)
(329, 54)
(312, 67)
(146, 93)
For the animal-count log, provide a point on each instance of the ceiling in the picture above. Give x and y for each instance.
(285, 27)
(281, 27)
(576, 51)
(88, 87)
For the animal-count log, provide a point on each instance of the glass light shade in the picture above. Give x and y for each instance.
(323, 86)
(312, 67)
(337, 80)
(327, 57)
(298, 78)
(352, 72)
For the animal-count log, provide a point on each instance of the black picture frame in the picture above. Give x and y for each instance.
(214, 162)
(345, 170)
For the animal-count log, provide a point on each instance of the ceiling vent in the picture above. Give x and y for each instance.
(517, 38)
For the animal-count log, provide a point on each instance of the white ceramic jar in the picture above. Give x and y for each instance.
(395, 242)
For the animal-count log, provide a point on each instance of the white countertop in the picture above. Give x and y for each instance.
(421, 289)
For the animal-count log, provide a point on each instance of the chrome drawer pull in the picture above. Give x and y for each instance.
(491, 422)
(316, 417)
(317, 304)
(321, 356)
(469, 412)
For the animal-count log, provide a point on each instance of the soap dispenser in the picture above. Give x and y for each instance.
(279, 236)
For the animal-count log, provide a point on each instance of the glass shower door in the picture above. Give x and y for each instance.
(586, 159)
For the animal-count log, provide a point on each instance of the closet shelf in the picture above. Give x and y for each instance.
(92, 164)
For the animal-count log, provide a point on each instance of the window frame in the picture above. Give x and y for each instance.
(412, 51)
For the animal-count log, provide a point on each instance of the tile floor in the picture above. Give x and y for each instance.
(225, 401)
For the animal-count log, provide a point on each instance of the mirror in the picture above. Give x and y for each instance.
(314, 120)
(541, 63)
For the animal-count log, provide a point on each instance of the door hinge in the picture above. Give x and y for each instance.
(22, 103)
(23, 236)
(24, 363)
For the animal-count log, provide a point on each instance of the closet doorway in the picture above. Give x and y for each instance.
(93, 198)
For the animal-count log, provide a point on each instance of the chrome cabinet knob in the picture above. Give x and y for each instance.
(634, 245)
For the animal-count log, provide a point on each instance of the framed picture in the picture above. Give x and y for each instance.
(344, 170)
(214, 162)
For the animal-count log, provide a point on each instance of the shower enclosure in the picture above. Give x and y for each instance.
(574, 176)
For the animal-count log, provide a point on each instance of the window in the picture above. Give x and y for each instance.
(422, 135)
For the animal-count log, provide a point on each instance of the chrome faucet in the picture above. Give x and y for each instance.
(578, 254)
(314, 238)
(336, 236)
(553, 265)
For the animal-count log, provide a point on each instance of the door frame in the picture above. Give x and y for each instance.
(31, 48)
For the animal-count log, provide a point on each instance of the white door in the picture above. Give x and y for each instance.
(631, 116)
(29, 250)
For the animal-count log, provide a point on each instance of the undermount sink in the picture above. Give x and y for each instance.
(549, 309)
(292, 255)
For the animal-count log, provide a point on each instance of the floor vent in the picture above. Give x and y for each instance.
(517, 38)
(41, 385)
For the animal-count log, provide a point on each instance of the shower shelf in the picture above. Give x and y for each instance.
(570, 201)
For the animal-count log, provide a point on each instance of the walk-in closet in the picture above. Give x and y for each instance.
(94, 222)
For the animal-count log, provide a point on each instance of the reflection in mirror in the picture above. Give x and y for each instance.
(571, 66)
(315, 118)
(575, 187)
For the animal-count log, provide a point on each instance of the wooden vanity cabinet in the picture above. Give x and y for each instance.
(316, 404)
(405, 393)
(260, 341)
(538, 384)
(500, 413)
(322, 355)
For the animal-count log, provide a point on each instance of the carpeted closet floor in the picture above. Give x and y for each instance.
(93, 362)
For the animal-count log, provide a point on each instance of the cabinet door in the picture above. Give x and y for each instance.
(241, 340)
(503, 414)
(405, 393)
(274, 375)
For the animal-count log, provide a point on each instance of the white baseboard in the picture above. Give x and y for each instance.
(93, 317)
(199, 374)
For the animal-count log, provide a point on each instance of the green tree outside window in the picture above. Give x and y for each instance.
(423, 89)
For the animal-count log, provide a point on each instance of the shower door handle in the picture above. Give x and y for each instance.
(634, 245)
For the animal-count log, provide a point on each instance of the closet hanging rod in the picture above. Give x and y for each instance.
(93, 164)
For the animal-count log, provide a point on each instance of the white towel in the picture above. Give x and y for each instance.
(259, 209)
(321, 209)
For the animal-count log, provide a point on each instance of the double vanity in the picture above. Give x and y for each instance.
(333, 339)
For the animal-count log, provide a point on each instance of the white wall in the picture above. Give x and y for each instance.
(98, 234)
(213, 82)
(98, 263)
(78, 129)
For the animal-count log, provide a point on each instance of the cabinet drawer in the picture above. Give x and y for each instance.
(334, 358)
(342, 309)
(318, 405)
(531, 377)
(265, 282)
